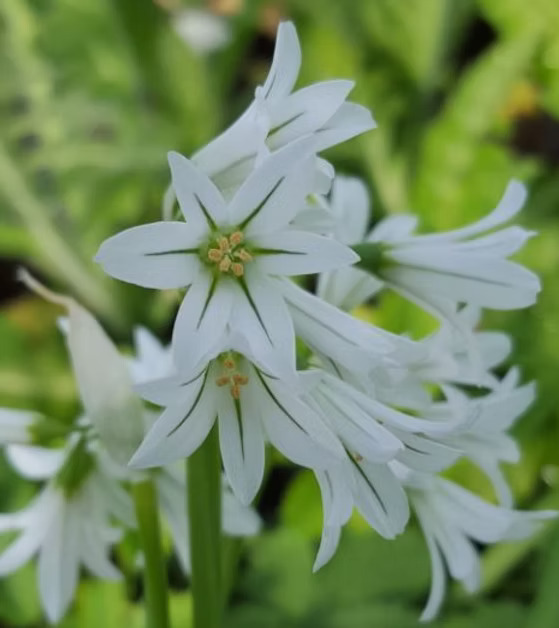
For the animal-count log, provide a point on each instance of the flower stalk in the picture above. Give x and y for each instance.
(155, 575)
(204, 506)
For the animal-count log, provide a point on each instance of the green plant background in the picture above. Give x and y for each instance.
(466, 94)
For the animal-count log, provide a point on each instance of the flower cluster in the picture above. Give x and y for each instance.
(376, 416)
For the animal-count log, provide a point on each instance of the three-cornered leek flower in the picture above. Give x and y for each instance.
(229, 255)
(68, 525)
(467, 265)
(278, 116)
(251, 406)
(454, 520)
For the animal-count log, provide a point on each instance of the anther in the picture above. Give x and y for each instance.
(224, 380)
(241, 380)
(223, 243)
(238, 269)
(215, 255)
(225, 264)
(235, 391)
(229, 363)
(244, 255)
(236, 238)
(357, 457)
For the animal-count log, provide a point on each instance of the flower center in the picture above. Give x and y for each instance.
(229, 255)
(232, 377)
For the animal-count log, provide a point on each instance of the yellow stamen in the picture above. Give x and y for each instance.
(235, 391)
(241, 380)
(244, 255)
(225, 264)
(223, 380)
(215, 255)
(223, 243)
(357, 457)
(238, 269)
(236, 238)
(229, 363)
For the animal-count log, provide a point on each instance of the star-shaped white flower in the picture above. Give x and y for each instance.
(250, 405)
(278, 115)
(229, 255)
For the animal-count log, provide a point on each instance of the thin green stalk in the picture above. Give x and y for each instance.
(52, 246)
(155, 574)
(204, 508)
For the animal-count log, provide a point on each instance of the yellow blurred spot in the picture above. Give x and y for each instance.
(523, 101)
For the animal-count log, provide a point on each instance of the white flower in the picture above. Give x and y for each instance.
(453, 519)
(251, 406)
(483, 438)
(16, 425)
(279, 116)
(438, 271)
(202, 30)
(67, 526)
(350, 208)
(236, 519)
(228, 255)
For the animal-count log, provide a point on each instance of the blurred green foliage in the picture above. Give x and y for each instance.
(466, 95)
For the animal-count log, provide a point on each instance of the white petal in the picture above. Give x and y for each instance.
(350, 204)
(181, 429)
(165, 391)
(438, 580)
(15, 424)
(293, 427)
(261, 316)
(237, 519)
(380, 498)
(394, 228)
(285, 64)
(93, 554)
(201, 319)
(200, 201)
(509, 205)
(286, 200)
(152, 359)
(105, 385)
(171, 494)
(242, 443)
(502, 243)
(20, 550)
(59, 565)
(35, 463)
(328, 545)
(337, 501)
(505, 285)
(265, 188)
(300, 253)
(357, 429)
(161, 255)
(306, 111)
(349, 121)
(424, 454)
(347, 288)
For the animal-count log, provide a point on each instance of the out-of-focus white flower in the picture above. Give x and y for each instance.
(229, 255)
(453, 519)
(16, 425)
(69, 523)
(278, 115)
(203, 31)
(251, 406)
(236, 519)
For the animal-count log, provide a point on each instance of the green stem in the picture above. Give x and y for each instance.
(204, 508)
(52, 246)
(155, 574)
